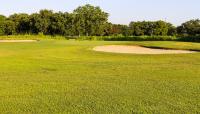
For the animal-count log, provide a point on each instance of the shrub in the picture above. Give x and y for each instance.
(190, 38)
(128, 38)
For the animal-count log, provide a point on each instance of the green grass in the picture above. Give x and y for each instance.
(60, 76)
(31, 37)
(171, 45)
(128, 38)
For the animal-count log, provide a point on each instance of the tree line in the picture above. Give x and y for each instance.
(89, 20)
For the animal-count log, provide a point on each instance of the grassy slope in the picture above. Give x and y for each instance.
(172, 45)
(54, 76)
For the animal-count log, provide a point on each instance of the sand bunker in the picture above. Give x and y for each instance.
(18, 40)
(137, 50)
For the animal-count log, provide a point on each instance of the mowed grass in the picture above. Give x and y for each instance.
(60, 76)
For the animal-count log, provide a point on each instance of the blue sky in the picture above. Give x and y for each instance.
(121, 11)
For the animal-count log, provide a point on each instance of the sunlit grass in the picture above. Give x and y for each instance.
(60, 76)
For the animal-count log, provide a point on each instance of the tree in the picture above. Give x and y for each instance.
(137, 28)
(69, 24)
(108, 29)
(44, 20)
(62, 24)
(22, 22)
(2, 20)
(171, 30)
(191, 27)
(9, 27)
(90, 20)
(40, 22)
(34, 20)
(57, 26)
(118, 29)
(159, 28)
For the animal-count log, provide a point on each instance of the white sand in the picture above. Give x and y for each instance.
(137, 50)
(18, 40)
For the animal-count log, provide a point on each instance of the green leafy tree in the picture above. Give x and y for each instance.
(137, 28)
(191, 27)
(108, 29)
(34, 23)
(2, 20)
(118, 29)
(69, 24)
(22, 22)
(90, 20)
(57, 25)
(40, 22)
(159, 28)
(171, 30)
(9, 27)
